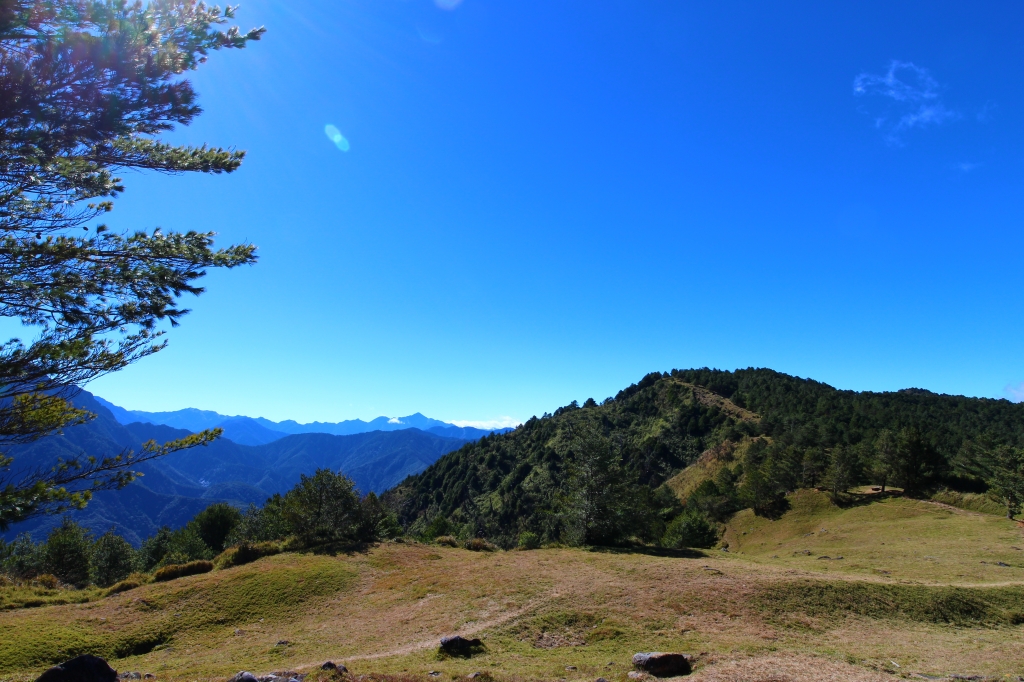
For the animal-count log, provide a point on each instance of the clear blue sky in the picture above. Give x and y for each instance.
(543, 201)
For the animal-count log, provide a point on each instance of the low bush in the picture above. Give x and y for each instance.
(175, 571)
(447, 540)
(246, 553)
(479, 545)
(48, 581)
(130, 583)
(529, 540)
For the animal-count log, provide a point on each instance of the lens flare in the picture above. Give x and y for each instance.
(336, 137)
(448, 4)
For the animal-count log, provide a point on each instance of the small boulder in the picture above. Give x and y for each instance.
(243, 676)
(130, 676)
(149, 676)
(601, 679)
(456, 645)
(329, 665)
(662, 664)
(85, 668)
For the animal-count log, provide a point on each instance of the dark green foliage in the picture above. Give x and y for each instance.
(174, 571)
(87, 86)
(599, 503)
(508, 484)
(154, 549)
(844, 470)
(529, 540)
(21, 559)
(67, 552)
(261, 524)
(1002, 468)
(324, 508)
(692, 528)
(215, 523)
(113, 559)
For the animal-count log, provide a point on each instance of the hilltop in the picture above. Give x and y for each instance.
(506, 484)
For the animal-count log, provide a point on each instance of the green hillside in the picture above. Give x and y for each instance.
(508, 484)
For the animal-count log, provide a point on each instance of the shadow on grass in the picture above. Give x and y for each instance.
(653, 551)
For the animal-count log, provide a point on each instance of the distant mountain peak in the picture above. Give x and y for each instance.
(259, 430)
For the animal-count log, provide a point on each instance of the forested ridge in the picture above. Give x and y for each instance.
(797, 433)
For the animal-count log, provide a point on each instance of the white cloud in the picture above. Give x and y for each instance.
(966, 166)
(910, 99)
(395, 420)
(1015, 393)
(499, 423)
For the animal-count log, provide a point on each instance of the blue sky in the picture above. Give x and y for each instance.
(543, 201)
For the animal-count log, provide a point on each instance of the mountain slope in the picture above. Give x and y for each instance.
(175, 487)
(505, 484)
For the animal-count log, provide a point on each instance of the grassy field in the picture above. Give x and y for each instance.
(764, 610)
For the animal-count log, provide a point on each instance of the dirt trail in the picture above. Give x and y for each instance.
(476, 627)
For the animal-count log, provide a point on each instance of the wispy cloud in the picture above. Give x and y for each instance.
(499, 423)
(909, 97)
(395, 420)
(1015, 392)
(966, 166)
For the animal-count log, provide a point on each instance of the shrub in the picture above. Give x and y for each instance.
(47, 580)
(479, 545)
(214, 524)
(184, 545)
(113, 558)
(323, 508)
(690, 529)
(246, 553)
(22, 559)
(67, 553)
(261, 524)
(175, 571)
(447, 541)
(529, 540)
(130, 583)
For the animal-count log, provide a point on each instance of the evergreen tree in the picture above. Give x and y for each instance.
(843, 471)
(323, 508)
(600, 502)
(67, 553)
(112, 559)
(885, 462)
(1002, 468)
(86, 86)
(215, 524)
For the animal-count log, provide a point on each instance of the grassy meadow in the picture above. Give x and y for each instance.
(922, 587)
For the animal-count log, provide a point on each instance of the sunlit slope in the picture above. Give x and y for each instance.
(538, 612)
(892, 539)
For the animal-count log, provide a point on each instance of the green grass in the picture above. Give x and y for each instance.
(936, 608)
(156, 615)
(890, 538)
(923, 604)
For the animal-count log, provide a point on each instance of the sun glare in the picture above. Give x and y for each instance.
(336, 137)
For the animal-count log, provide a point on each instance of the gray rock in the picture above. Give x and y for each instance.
(130, 676)
(600, 679)
(243, 676)
(456, 645)
(85, 668)
(570, 668)
(662, 664)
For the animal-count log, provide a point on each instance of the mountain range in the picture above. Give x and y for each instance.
(176, 487)
(259, 431)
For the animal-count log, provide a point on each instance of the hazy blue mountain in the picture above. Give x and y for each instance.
(246, 431)
(175, 487)
(258, 430)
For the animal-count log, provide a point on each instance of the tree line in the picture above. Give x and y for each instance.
(322, 512)
(595, 473)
